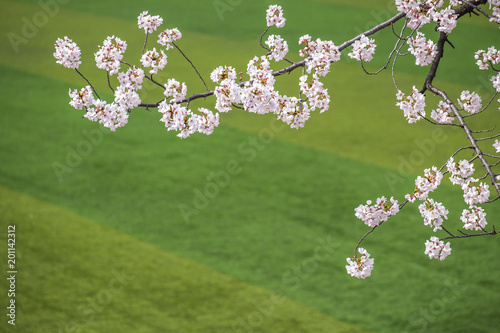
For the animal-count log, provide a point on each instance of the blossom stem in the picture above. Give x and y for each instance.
(192, 65)
(91, 86)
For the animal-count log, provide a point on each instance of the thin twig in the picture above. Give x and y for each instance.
(91, 86)
(260, 40)
(484, 131)
(479, 10)
(109, 82)
(192, 65)
(145, 43)
(488, 138)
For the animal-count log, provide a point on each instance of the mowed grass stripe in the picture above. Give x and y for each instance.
(76, 273)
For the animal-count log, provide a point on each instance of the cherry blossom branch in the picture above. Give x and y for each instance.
(258, 95)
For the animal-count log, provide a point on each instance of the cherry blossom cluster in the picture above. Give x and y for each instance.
(175, 90)
(423, 185)
(495, 11)
(433, 213)
(360, 267)
(373, 215)
(228, 92)
(109, 57)
(178, 118)
(110, 54)
(437, 249)
(82, 98)
(423, 49)
(126, 94)
(154, 59)
(127, 97)
(258, 95)
(363, 49)
(294, 112)
(461, 172)
(316, 94)
(476, 194)
(470, 101)
(412, 105)
(320, 54)
(278, 47)
(420, 13)
(132, 77)
(474, 218)
(274, 16)
(443, 114)
(167, 37)
(447, 20)
(148, 22)
(111, 115)
(67, 53)
(488, 58)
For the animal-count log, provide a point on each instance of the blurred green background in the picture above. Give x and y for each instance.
(246, 230)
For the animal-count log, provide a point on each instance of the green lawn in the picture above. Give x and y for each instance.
(275, 213)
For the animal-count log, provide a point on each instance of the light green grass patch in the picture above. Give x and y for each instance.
(75, 275)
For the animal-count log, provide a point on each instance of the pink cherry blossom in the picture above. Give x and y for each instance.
(82, 98)
(67, 53)
(437, 249)
(423, 185)
(433, 213)
(412, 105)
(176, 90)
(423, 49)
(110, 54)
(443, 114)
(133, 77)
(148, 22)
(169, 36)
(274, 16)
(360, 267)
(278, 47)
(154, 59)
(373, 215)
(474, 218)
(470, 101)
(363, 49)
